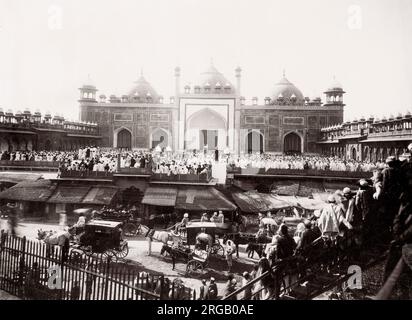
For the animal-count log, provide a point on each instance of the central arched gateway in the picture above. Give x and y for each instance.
(206, 128)
(124, 139)
(292, 143)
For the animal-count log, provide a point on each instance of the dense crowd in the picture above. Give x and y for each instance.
(95, 159)
(268, 161)
(350, 222)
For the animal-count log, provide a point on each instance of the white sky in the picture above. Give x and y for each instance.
(370, 53)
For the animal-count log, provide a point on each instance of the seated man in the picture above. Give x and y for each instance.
(80, 225)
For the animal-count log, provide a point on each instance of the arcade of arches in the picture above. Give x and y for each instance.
(367, 153)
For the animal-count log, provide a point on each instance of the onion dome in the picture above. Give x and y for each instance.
(287, 91)
(213, 81)
(9, 112)
(143, 92)
(408, 114)
(27, 112)
(18, 114)
(335, 86)
(1, 112)
(89, 83)
(391, 117)
(399, 116)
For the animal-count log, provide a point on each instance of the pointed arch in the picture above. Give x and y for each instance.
(160, 137)
(254, 141)
(122, 138)
(292, 142)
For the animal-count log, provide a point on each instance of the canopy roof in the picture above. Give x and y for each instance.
(37, 191)
(253, 202)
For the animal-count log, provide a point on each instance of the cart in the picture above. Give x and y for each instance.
(212, 229)
(131, 225)
(199, 261)
(101, 237)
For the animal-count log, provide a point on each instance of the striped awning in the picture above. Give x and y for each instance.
(100, 195)
(202, 199)
(69, 194)
(254, 201)
(160, 196)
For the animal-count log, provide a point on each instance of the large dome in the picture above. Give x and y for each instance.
(143, 92)
(212, 81)
(286, 91)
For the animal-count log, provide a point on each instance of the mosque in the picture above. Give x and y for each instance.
(212, 114)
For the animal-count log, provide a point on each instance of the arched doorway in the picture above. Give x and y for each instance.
(254, 142)
(206, 128)
(124, 139)
(160, 138)
(353, 153)
(47, 145)
(292, 143)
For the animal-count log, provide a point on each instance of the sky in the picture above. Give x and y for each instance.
(49, 48)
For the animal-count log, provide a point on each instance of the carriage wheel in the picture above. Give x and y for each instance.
(109, 253)
(123, 252)
(194, 267)
(130, 230)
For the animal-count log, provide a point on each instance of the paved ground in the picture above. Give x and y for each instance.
(155, 263)
(6, 296)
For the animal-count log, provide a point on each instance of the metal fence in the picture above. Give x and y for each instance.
(35, 271)
(29, 165)
(86, 174)
(297, 172)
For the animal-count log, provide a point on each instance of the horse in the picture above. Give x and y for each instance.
(165, 219)
(252, 247)
(158, 235)
(54, 238)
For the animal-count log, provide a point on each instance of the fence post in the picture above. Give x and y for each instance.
(22, 266)
(162, 287)
(106, 279)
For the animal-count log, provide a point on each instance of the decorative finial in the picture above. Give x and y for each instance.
(211, 61)
(334, 78)
(141, 72)
(284, 73)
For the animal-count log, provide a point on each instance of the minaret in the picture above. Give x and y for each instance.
(177, 83)
(238, 72)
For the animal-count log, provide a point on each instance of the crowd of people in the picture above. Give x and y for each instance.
(169, 163)
(351, 221)
(268, 161)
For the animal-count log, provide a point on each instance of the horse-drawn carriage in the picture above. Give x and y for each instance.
(131, 224)
(103, 237)
(203, 236)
